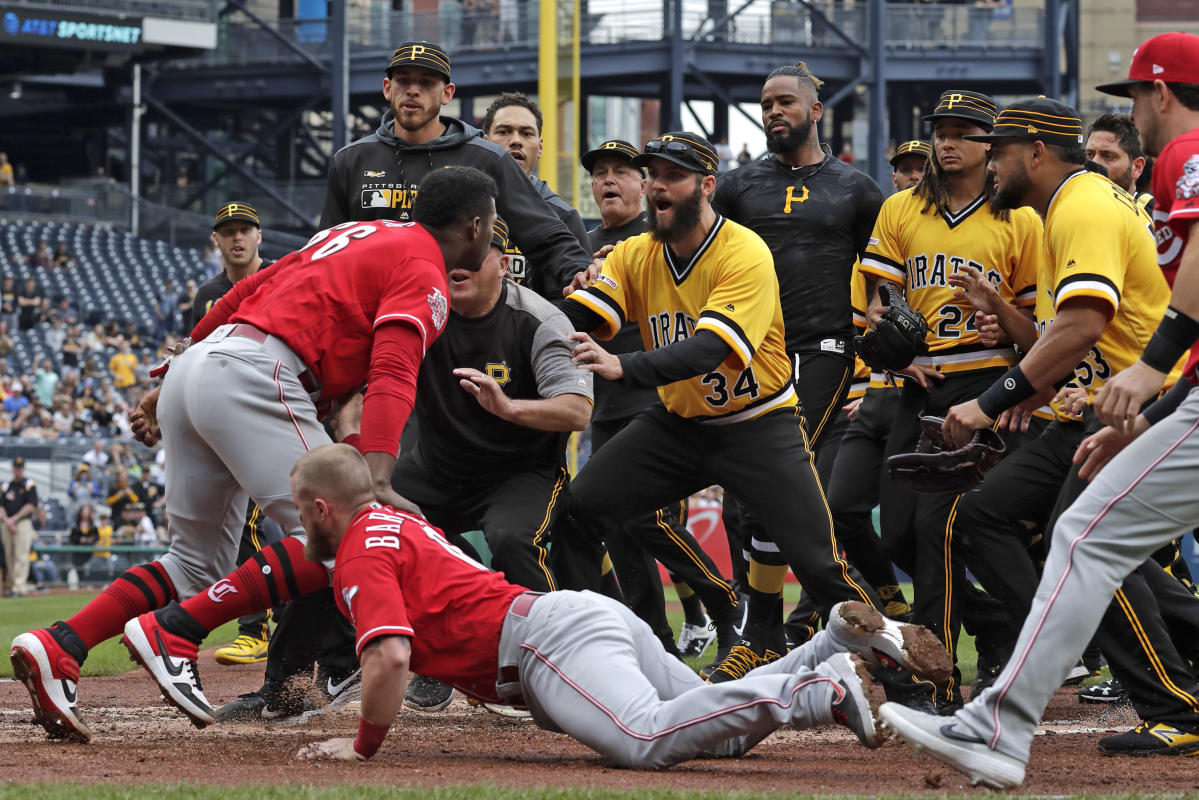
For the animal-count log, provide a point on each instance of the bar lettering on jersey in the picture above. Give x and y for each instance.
(382, 541)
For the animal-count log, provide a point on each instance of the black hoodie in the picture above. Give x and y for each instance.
(377, 177)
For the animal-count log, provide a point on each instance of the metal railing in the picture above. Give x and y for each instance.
(908, 26)
(202, 10)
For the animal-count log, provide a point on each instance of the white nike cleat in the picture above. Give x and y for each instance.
(861, 628)
(951, 743)
(171, 660)
(51, 675)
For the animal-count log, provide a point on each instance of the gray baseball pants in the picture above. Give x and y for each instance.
(234, 420)
(590, 668)
(1145, 497)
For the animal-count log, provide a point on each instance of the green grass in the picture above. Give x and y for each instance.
(19, 614)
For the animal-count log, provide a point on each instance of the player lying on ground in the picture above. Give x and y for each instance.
(582, 663)
(361, 300)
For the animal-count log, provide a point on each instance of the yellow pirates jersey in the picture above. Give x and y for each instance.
(1099, 243)
(729, 288)
(919, 251)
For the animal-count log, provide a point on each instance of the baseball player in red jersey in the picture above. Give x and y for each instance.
(1142, 468)
(582, 663)
(360, 303)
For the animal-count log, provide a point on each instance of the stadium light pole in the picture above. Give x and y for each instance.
(135, 149)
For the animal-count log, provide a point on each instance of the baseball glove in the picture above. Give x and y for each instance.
(936, 469)
(897, 339)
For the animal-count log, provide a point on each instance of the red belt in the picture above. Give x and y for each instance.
(247, 331)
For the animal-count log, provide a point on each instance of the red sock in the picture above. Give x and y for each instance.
(271, 576)
(137, 590)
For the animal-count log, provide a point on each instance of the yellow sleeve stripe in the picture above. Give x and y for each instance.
(729, 331)
(601, 305)
(875, 265)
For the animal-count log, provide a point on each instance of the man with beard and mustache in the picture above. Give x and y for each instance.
(1101, 294)
(944, 225)
(513, 121)
(378, 176)
(815, 213)
(704, 293)
(1143, 466)
(1112, 141)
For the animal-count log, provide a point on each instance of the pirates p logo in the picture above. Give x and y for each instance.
(498, 372)
(609, 146)
(417, 50)
(793, 198)
(953, 100)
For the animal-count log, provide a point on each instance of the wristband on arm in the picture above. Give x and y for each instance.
(1174, 336)
(1012, 389)
(370, 737)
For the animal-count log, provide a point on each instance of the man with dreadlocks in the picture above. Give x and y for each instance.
(815, 214)
(947, 224)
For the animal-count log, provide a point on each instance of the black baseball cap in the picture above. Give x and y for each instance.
(1036, 119)
(18, 462)
(235, 211)
(613, 148)
(964, 104)
(426, 55)
(915, 147)
(499, 234)
(688, 150)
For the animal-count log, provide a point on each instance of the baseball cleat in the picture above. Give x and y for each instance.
(948, 741)
(1151, 739)
(246, 708)
(741, 659)
(171, 660)
(427, 694)
(52, 677)
(1079, 673)
(245, 649)
(861, 628)
(857, 697)
(695, 639)
(1110, 691)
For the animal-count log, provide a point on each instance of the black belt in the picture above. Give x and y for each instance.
(246, 331)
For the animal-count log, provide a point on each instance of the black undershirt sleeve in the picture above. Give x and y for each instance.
(695, 355)
(1169, 402)
(580, 316)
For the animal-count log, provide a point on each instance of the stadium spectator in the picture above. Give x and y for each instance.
(45, 382)
(166, 310)
(61, 257)
(44, 312)
(85, 531)
(8, 302)
(64, 418)
(121, 366)
(93, 340)
(744, 156)
(143, 370)
(6, 342)
(71, 351)
(211, 260)
(55, 335)
(29, 304)
(6, 174)
(16, 399)
(725, 154)
(19, 504)
(132, 335)
(186, 299)
(121, 496)
(41, 256)
(97, 458)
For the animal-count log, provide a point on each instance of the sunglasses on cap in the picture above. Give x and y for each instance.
(675, 147)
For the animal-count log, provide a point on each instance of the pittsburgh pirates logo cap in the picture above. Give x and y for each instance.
(236, 211)
(964, 104)
(1167, 57)
(426, 55)
(499, 234)
(613, 148)
(916, 147)
(688, 150)
(1036, 119)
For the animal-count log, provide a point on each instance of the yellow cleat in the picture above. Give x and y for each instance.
(243, 650)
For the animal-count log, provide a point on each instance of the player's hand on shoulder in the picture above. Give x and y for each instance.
(143, 420)
(485, 390)
(587, 277)
(593, 358)
(330, 750)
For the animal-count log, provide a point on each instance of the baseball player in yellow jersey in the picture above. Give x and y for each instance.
(923, 235)
(704, 293)
(1100, 295)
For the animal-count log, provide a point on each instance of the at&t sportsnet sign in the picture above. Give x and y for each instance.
(46, 28)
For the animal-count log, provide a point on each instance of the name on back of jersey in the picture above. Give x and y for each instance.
(922, 274)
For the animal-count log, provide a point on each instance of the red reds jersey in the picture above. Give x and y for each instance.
(1176, 207)
(396, 575)
(326, 299)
